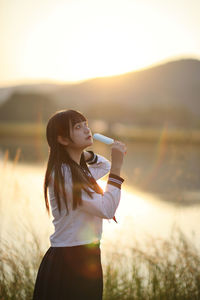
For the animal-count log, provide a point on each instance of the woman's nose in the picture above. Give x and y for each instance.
(87, 129)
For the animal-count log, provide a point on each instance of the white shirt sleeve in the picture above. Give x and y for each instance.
(103, 206)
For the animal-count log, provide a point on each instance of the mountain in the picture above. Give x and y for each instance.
(39, 88)
(170, 83)
(27, 107)
(167, 93)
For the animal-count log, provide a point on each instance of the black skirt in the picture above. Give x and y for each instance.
(70, 273)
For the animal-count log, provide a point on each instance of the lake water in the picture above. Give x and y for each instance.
(161, 191)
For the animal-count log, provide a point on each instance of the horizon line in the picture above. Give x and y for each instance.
(38, 81)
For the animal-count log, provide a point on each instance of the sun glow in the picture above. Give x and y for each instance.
(74, 43)
(74, 40)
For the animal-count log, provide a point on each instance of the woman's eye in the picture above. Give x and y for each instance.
(79, 126)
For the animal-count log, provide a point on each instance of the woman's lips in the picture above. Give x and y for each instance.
(89, 137)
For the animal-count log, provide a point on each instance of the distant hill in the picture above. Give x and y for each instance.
(171, 86)
(168, 93)
(27, 108)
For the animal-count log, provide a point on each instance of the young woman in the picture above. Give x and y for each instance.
(71, 268)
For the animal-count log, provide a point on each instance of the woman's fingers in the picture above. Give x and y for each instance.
(119, 146)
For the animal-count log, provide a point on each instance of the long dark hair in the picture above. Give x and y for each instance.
(59, 124)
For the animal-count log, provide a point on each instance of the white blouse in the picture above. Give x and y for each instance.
(84, 224)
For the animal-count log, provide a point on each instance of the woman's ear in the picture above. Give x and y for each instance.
(62, 140)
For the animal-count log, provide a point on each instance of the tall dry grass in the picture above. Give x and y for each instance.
(20, 247)
(163, 270)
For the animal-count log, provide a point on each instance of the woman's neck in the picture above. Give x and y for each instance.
(75, 154)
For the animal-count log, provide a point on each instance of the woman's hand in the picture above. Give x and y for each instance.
(118, 150)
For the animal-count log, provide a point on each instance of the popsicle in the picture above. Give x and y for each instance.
(102, 138)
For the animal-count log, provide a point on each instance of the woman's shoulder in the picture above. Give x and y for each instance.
(65, 167)
(65, 170)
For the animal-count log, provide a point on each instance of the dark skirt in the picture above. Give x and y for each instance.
(70, 273)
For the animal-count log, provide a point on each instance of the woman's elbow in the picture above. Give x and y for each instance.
(109, 214)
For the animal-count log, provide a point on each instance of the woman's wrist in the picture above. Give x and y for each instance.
(115, 170)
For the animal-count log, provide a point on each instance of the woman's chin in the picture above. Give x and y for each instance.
(87, 143)
(90, 143)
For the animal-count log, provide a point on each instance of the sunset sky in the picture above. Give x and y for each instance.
(72, 40)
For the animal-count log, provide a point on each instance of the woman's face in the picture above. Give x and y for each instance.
(81, 135)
